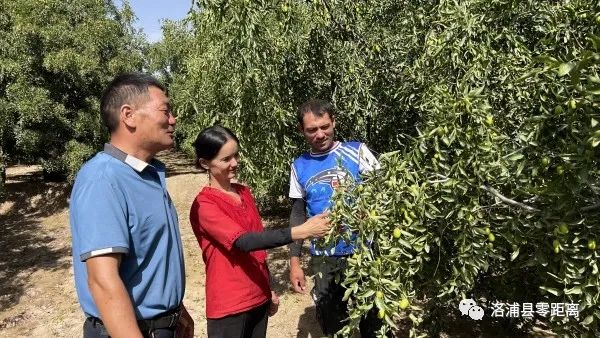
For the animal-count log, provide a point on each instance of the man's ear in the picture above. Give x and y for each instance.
(300, 128)
(126, 116)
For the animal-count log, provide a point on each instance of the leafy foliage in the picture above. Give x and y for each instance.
(496, 198)
(55, 59)
(492, 103)
(250, 64)
(491, 107)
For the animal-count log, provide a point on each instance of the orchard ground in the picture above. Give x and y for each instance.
(37, 294)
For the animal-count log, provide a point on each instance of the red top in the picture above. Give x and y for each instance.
(235, 281)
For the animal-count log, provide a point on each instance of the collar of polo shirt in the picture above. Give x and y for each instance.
(137, 164)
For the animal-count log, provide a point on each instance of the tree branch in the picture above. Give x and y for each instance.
(590, 207)
(507, 200)
(442, 179)
(438, 181)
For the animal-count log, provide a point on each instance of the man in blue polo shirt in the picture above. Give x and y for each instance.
(127, 254)
(313, 178)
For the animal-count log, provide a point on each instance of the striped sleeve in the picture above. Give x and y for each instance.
(296, 190)
(366, 159)
(99, 219)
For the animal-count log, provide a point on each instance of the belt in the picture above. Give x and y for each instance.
(164, 320)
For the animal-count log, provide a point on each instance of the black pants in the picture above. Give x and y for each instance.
(248, 324)
(328, 295)
(92, 328)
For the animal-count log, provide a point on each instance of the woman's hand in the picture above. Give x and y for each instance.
(317, 226)
(274, 304)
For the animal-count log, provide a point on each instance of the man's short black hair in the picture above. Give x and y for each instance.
(316, 106)
(124, 89)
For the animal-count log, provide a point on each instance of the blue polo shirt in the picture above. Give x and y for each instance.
(120, 204)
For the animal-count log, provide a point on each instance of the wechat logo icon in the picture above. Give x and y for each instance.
(468, 307)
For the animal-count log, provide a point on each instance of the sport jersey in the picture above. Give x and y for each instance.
(314, 177)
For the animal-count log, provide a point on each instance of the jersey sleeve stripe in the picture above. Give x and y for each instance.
(350, 155)
(101, 252)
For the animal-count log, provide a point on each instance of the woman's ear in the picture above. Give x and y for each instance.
(202, 163)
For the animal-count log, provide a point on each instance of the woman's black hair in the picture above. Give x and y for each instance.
(209, 142)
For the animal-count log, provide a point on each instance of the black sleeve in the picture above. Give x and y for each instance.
(297, 217)
(252, 241)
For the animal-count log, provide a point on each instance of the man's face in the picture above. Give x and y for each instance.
(156, 123)
(318, 131)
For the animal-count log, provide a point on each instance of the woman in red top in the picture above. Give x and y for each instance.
(229, 230)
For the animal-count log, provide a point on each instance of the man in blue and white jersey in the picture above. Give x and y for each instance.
(313, 178)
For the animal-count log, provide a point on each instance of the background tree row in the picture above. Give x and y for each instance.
(492, 106)
(55, 59)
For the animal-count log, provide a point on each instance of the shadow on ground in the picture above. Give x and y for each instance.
(307, 324)
(457, 326)
(26, 246)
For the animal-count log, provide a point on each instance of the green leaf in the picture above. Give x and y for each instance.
(379, 303)
(368, 293)
(553, 291)
(347, 293)
(516, 157)
(565, 68)
(514, 255)
(390, 322)
(573, 291)
(546, 59)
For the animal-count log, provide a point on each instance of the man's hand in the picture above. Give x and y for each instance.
(274, 304)
(185, 326)
(297, 275)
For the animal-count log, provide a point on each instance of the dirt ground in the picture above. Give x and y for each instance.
(37, 293)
